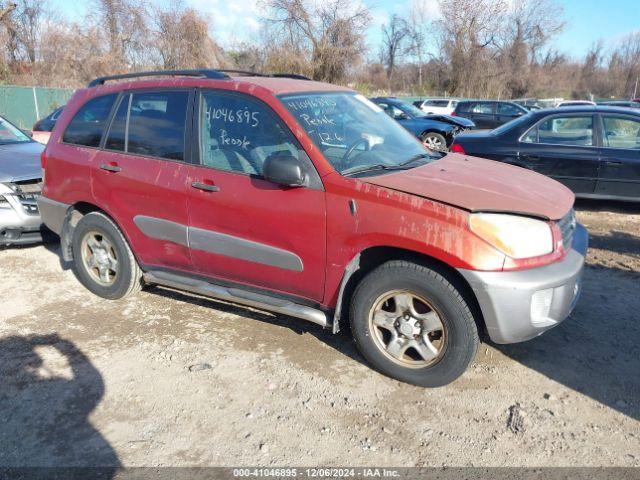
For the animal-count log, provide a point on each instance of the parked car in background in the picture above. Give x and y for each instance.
(434, 131)
(305, 199)
(20, 184)
(42, 128)
(575, 103)
(595, 151)
(620, 103)
(489, 113)
(444, 106)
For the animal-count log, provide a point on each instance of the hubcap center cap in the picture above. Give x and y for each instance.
(101, 256)
(408, 326)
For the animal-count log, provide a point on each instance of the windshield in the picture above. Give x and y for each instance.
(410, 110)
(354, 134)
(10, 133)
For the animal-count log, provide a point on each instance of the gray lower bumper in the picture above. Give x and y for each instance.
(52, 213)
(518, 306)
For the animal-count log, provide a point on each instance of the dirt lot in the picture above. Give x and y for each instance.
(170, 379)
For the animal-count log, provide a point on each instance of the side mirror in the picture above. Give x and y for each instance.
(28, 133)
(401, 116)
(284, 170)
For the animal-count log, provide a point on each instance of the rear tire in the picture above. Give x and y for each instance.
(102, 258)
(413, 324)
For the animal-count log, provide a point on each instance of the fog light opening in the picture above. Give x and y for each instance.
(540, 307)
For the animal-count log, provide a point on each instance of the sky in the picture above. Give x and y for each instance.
(587, 21)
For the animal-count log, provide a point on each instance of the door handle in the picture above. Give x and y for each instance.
(110, 168)
(205, 186)
(613, 162)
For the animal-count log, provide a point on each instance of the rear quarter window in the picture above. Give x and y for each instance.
(87, 126)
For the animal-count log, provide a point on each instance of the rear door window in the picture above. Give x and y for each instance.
(484, 108)
(157, 124)
(87, 126)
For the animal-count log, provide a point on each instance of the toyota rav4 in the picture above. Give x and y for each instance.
(306, 199)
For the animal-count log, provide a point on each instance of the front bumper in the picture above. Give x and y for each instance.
(18, 227)
(521, 305)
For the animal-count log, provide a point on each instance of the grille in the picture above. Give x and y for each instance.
(567, 225)
(27, 193)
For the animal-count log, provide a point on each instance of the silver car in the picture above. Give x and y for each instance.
(20, 185)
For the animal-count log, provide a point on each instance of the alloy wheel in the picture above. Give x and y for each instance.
(407, 329)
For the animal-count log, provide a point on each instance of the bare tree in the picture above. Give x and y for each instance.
(394, 38)
(182, 41)
(331, 33)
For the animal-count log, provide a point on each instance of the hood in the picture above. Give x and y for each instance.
(458, 121)
(481, 185)
(20, 161)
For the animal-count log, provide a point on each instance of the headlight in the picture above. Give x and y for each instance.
(515, 236)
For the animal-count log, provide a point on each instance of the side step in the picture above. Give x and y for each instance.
(236, 295)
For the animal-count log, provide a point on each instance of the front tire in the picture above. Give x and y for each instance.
(434, 141)
(413, 324)
(102, 258)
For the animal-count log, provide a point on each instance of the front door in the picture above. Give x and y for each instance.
(505, 112)
(563, 147)
(483, 115)
(243, 228)
(139, 175)
(620, 170)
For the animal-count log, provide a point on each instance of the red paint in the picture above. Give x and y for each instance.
(477, 184)
(424, 210)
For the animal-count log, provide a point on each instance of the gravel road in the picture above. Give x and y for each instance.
(167, 378)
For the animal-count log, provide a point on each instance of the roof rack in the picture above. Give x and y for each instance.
(212, 74)
(295, 76)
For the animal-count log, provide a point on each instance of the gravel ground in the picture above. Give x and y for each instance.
(167, 378)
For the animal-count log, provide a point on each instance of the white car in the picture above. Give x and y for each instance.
(575, 103)
(442, 106)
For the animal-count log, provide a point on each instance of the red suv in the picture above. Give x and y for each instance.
(306, 199)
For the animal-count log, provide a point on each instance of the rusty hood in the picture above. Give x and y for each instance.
(477, 184)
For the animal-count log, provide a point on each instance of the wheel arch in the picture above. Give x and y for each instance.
(75, 212)
(372, 257)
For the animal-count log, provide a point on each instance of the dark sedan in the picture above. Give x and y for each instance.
(595, 151)
(489, 113)
(435, 131)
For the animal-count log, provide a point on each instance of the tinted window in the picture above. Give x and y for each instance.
(621, 132)
(88, 124)
(508, 109)
(116, 136)
(570, 130)
(239, 134)
(486, 108)
(157, 124)
(438, 103)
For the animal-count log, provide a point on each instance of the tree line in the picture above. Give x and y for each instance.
(471, 48)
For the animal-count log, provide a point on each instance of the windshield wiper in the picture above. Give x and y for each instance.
(365, 168)
(415, 158)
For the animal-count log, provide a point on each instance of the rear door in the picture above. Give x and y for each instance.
(563, 147)
(139, 175)
(243, 228)
(620, 171)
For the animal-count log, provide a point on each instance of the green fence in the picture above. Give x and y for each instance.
(25, 105)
